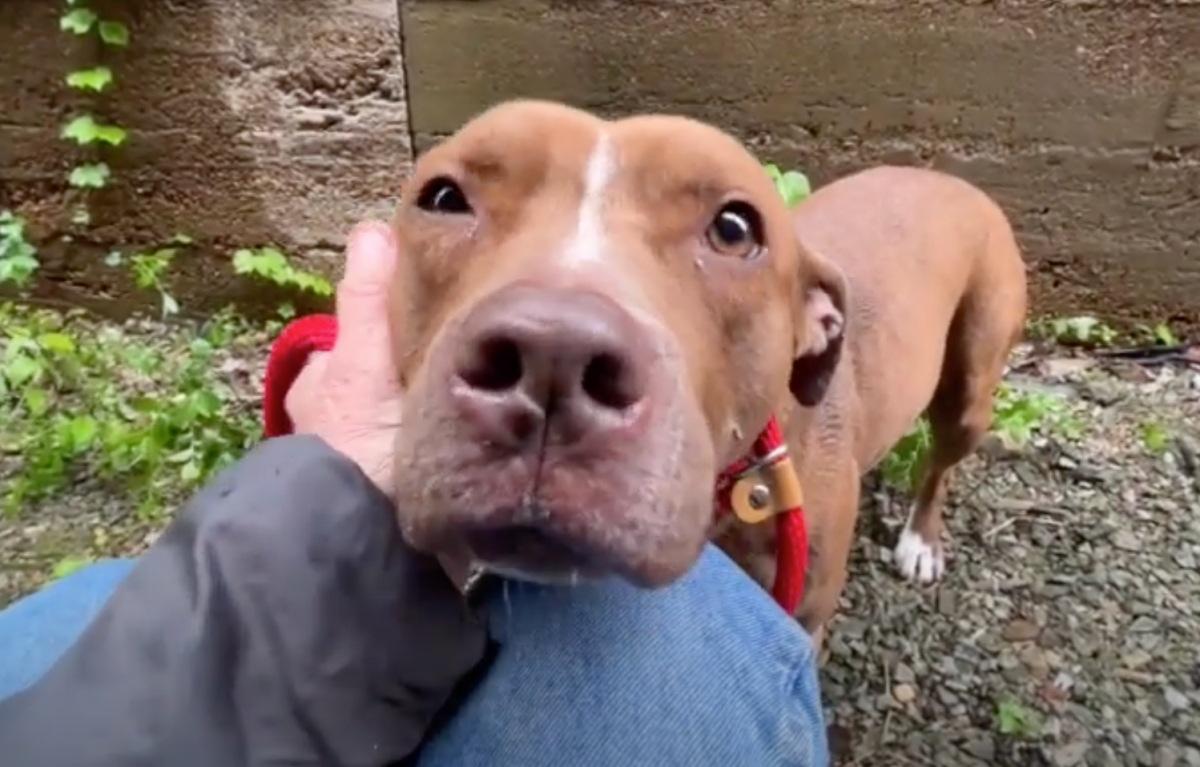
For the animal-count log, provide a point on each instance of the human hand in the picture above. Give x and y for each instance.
(350, 396)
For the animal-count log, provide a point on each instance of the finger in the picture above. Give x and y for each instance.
(303, 399)
(362, 298)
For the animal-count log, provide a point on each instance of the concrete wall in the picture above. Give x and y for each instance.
(259, 121)
(252, 121)
(1081, 116)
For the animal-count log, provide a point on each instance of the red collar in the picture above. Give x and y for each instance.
(760, 486)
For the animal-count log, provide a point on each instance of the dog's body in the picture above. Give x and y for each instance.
(936, 300)
(597, 316)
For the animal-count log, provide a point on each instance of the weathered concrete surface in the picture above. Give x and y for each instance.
(1082, 116)
(252, 122)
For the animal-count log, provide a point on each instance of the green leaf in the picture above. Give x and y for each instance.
(21, 369)
(182, 239)
(112, 135)
(94, 79)
(78, 21)
(149, 267)
(1155, 437)
(271, 265)
(12, 226)
(793, 186)
(1016, 720)
(37, 401)
(81, 217)
(94, 176)
(1164, 336)
(190, 472)
(58, 343)
(17, 257)
(17, 269)
(82, 430)
(68, 565)
(84, 130)
(114, 33)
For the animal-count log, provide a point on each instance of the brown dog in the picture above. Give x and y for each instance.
(935, 300)
(599, 316)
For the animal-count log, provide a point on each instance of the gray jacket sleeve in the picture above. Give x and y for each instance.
(280, 620)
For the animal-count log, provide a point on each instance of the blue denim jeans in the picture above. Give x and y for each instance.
(708, 671)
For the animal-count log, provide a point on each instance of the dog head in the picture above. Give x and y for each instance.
(595, 317)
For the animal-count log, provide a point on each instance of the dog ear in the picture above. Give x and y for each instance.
(820, 322)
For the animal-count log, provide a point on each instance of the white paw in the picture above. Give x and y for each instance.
(917, 560)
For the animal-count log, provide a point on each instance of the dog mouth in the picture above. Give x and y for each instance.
(561, 519)
(533, 553)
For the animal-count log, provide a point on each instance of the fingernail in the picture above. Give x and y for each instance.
(370, 250)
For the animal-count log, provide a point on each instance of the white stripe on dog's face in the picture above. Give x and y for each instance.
(587, 242)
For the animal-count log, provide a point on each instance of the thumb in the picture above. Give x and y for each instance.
(364, 338)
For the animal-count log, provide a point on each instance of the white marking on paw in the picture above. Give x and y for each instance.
(917, 560)
(587, 242)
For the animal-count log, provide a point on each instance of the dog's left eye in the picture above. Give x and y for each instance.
(736, 230)
(441, 195)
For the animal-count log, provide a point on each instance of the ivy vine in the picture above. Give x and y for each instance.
(86, 130)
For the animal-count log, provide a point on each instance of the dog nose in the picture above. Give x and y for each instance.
(556, 365)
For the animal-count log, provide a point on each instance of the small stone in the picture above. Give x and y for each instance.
(904, 693)
(904, 674)
(853, 628)
(983, 749)
(1143, 625)
(1166, 756)
(1136, 659)
(1070, 754)
(1020, 631)
(1176, 700)
(1035, 660)
(1125, 540)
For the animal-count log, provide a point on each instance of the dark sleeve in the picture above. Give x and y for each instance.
(280, 620)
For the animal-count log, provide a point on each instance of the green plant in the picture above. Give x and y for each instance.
(149, 269)
(1018, 414)
(68, 565)
(271, 265)
(903, 465)
(792, 185)
(1155, 438)
(1017, 720)
(1082, 330)
(18, 258)
(1164, 335)
(85, 130)
(1161, 334)
(78, 399)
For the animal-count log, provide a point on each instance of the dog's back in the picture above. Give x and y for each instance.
(935, 282)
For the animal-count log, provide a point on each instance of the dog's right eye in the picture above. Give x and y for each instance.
(442, 195)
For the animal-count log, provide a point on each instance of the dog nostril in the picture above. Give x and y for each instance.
(608, 380)
(496, 365)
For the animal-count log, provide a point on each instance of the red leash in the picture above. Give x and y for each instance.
(757, 487)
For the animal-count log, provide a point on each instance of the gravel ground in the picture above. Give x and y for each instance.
(1065, 633)
(1072, 598)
